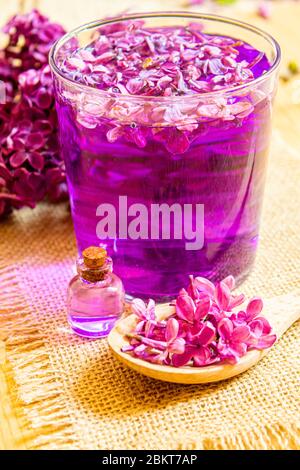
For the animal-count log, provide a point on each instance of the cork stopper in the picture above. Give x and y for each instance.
(94, 257)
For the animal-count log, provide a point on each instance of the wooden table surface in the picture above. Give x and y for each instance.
(284, 25)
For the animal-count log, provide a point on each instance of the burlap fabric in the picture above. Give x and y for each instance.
(71, 393)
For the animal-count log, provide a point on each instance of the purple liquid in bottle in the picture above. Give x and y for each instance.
(216, 160)
(95, 297)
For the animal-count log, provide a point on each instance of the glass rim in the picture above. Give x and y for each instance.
(166, 14)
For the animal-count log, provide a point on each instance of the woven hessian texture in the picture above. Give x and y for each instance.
(71, 393)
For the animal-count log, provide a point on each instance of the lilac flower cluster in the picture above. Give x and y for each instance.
(205, 329)
(30, 164)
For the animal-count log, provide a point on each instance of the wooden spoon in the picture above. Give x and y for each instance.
(281, 312)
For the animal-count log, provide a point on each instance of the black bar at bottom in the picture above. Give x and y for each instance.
(139, 459)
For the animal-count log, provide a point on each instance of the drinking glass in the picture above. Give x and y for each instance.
(202, 175)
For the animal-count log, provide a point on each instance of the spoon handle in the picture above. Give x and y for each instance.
(282, 311)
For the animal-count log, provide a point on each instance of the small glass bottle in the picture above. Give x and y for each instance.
(95, 295)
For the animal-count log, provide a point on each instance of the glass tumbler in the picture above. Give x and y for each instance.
(167, 199)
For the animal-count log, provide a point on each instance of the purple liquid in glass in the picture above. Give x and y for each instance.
(222, 167)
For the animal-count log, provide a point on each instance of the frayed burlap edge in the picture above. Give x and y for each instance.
(32, 385)
(275, 437)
